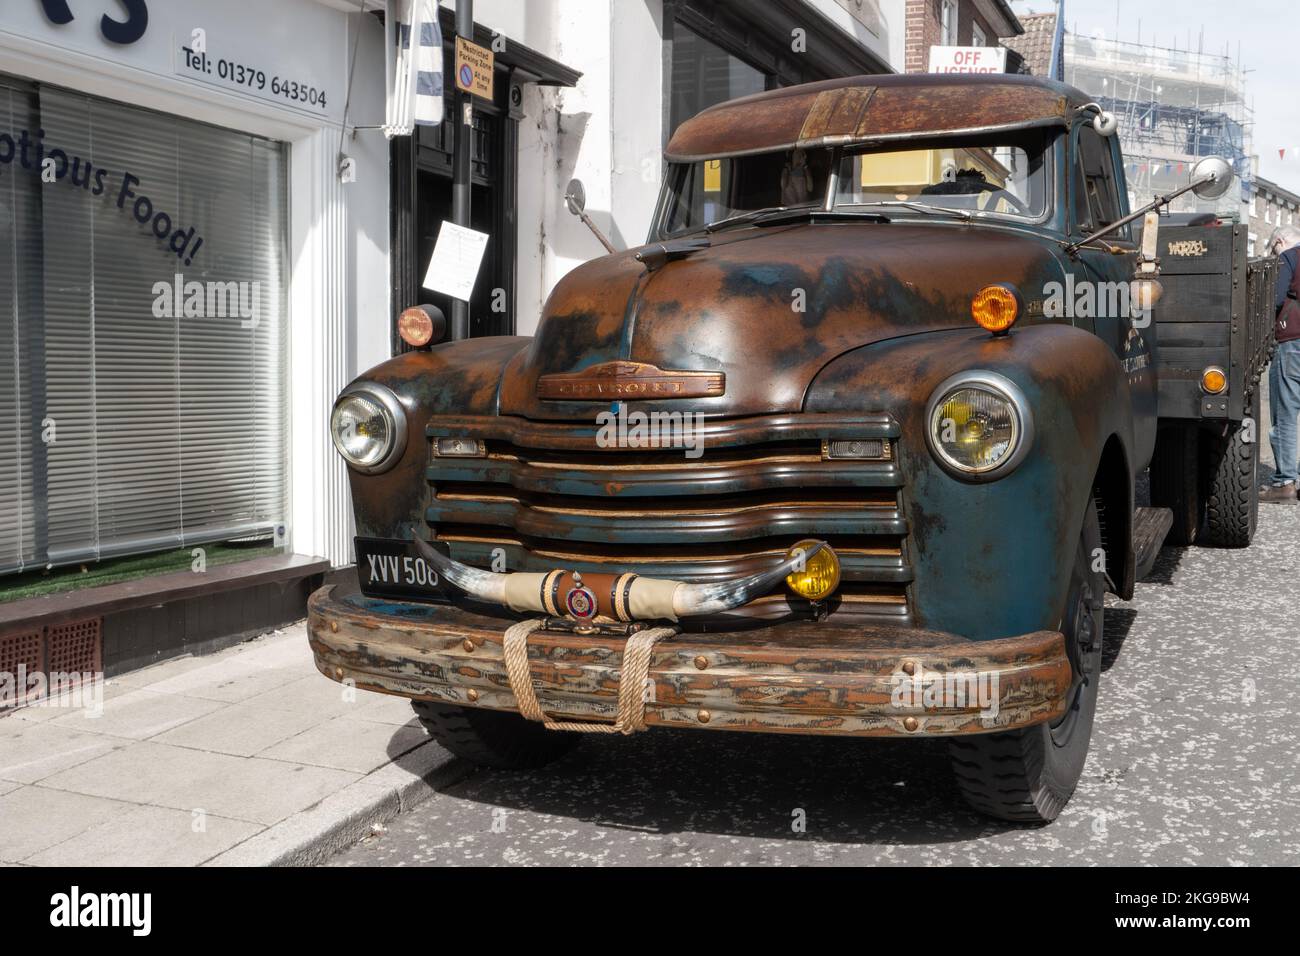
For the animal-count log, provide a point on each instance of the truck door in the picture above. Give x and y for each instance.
(1104, 271)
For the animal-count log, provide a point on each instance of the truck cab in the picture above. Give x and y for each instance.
(848, 447)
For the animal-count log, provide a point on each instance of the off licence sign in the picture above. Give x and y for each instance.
(474, 68)
(968, 59)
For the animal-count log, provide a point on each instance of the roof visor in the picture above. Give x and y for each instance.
(871, 109)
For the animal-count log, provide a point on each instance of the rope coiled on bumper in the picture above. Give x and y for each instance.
(632, 687)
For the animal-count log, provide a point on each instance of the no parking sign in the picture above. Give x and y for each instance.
(474, 68)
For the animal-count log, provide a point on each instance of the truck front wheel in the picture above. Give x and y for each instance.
(1231, 486)
(493, 738)
(1028, 775)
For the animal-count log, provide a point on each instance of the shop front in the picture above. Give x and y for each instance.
(182, 271)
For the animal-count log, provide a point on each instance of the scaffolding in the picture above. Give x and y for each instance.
(1174, 107)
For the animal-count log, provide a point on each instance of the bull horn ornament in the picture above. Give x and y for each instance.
(620, 597)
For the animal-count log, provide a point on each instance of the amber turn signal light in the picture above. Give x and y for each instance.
(421, 325)
(996, 307)
(1214, 381)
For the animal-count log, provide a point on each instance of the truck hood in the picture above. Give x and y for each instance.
(766, 307)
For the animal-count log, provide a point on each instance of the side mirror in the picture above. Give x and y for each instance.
(575, 197)
(1212, 177)
(1105, 124)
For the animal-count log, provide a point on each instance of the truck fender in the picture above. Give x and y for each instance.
(452, 378)
(1005, 546)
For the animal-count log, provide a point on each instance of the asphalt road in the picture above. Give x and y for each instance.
(1195, 760)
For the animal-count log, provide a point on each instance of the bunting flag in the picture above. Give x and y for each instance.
(428, 79)
(415, 69)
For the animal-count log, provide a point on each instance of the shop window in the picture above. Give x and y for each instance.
(136, 426)
(704, 75)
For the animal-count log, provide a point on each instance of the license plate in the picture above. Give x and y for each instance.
(391, 567)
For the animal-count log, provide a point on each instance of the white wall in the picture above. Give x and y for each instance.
(367, 201)
(607, 131)
(895, 13)
(339, 297)
(873, 28)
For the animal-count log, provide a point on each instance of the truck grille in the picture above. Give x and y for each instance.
(545, 496)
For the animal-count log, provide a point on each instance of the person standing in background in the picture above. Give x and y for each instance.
(1284, 373)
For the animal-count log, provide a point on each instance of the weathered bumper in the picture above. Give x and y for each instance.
(789, 678)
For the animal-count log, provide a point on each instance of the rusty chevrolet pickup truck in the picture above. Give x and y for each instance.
(842, 450)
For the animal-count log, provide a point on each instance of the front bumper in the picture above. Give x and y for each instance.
(802, 677)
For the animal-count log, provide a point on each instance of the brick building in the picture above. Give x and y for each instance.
(1271, 206)
(954, 23)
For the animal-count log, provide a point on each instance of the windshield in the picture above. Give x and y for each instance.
(703, 193)
(996, 179)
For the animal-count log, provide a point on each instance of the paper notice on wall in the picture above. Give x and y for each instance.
(454, 266)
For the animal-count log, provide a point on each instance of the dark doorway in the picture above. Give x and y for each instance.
(421, 185)
(491, 304)
(422, 178)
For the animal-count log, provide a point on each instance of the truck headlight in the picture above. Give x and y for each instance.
(368, 426)
(980, 427)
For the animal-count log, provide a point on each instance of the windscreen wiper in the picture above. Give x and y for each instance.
(778, 214)
(744, 217)
(921, 207)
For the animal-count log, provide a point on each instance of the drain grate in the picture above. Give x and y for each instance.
(62, 653)
(76, 648)
(21, 655)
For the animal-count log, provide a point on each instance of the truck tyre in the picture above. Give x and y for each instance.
(493, 738)
(1028, 775)
(1231, 489)
(1175, 481)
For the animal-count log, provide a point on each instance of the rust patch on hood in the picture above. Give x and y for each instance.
(763, 310)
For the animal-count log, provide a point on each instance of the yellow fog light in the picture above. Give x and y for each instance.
(820, 575)
(1213, 380)
(996, 307)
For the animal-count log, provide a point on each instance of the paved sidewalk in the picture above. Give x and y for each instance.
(245, 757)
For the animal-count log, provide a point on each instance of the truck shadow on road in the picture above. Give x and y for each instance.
(777, 787)
(668, 782)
